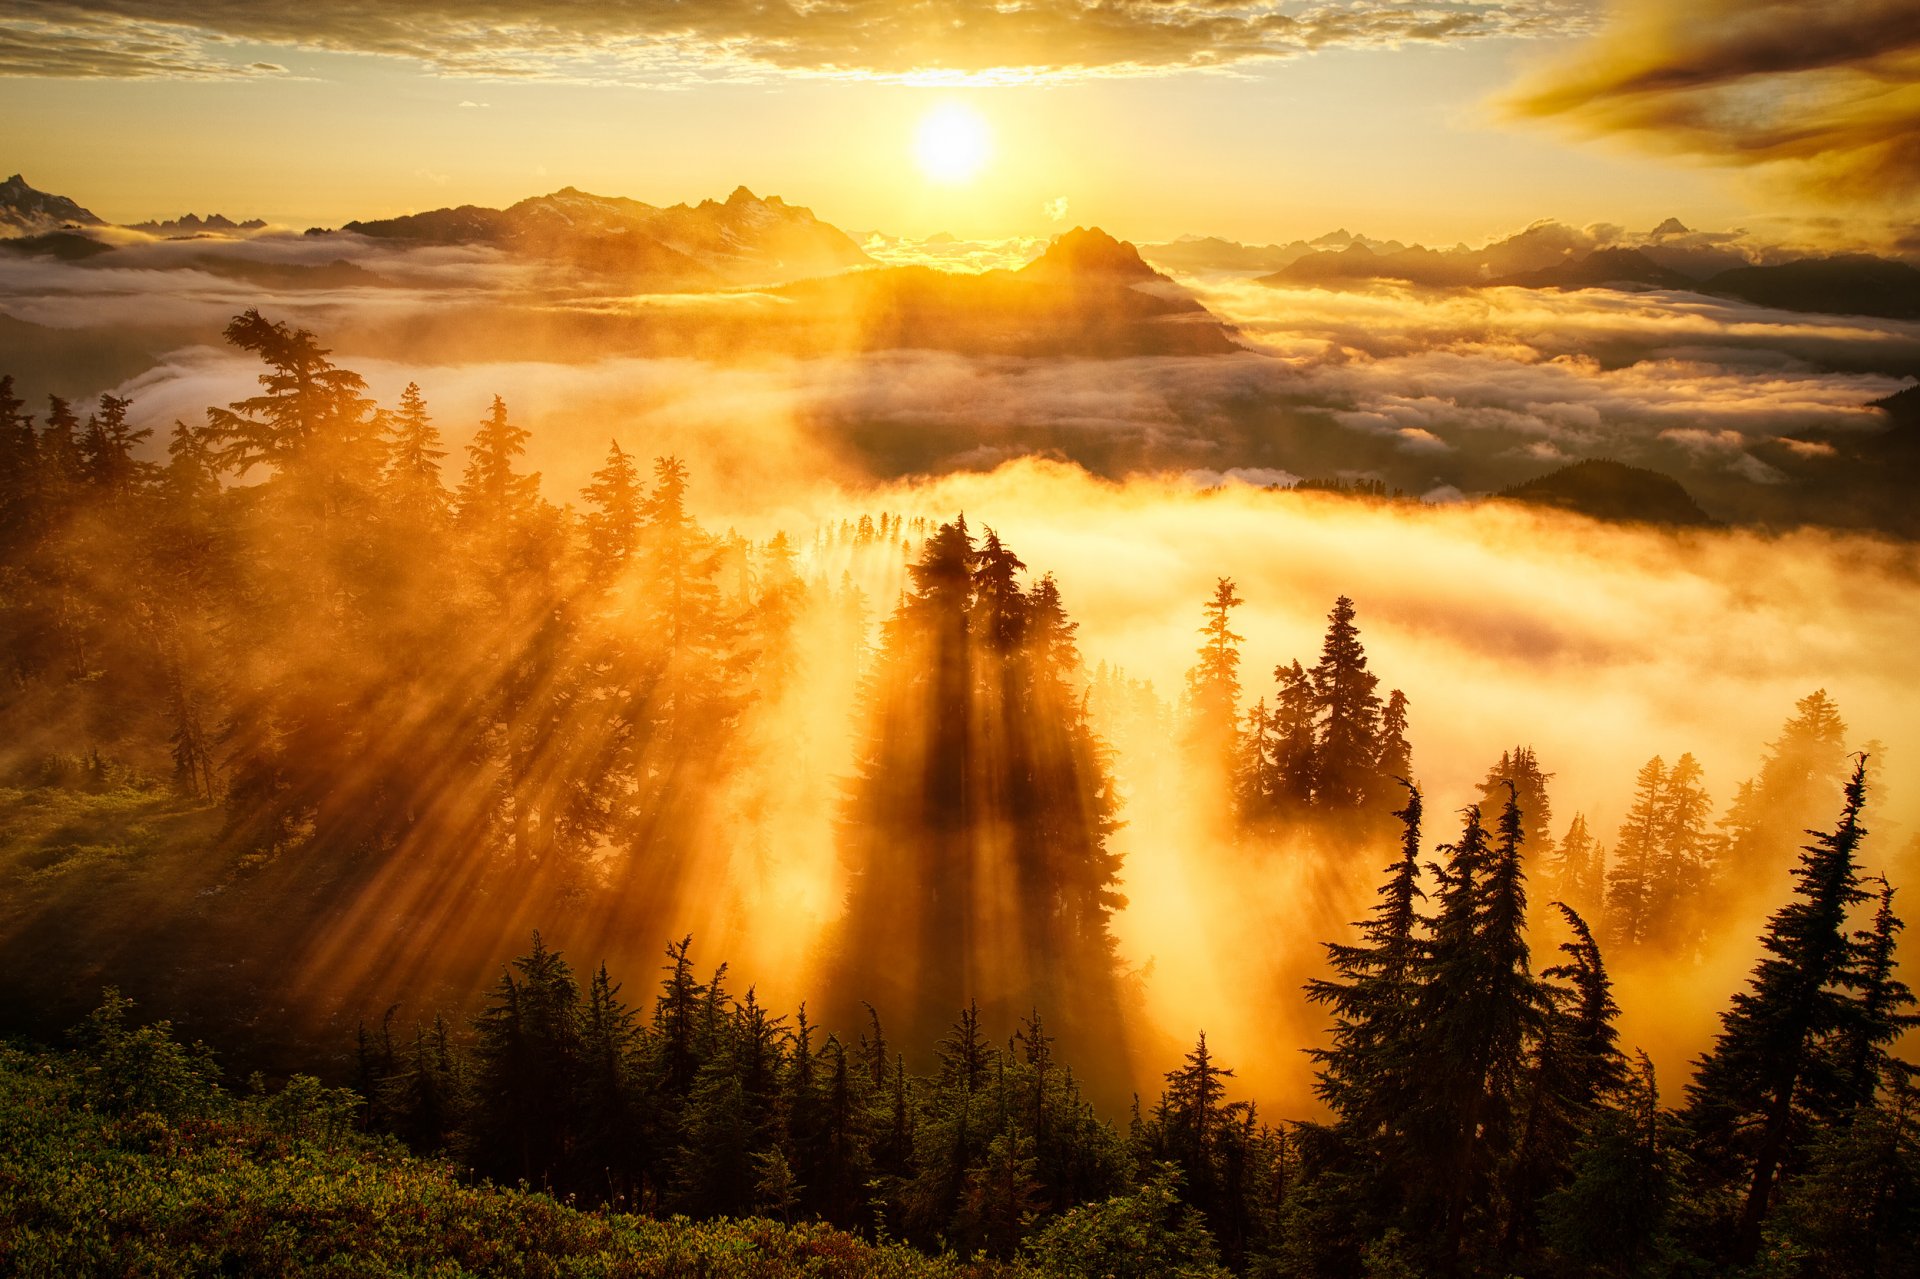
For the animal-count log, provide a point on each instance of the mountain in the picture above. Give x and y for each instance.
(1082, 254)
(1088, 294)
(192, 225)
(68, 246)
(1608, 490)
(1604, 268)
(25, 211)
(742, 240)
(1850, 284)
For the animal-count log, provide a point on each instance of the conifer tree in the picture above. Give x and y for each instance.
(1347, 743)
(1395, 757)
(1520, 767)
(312, 421)
(413, 481)
(494, 496)
(614, 523)
(1632, 886)
(1881, 1009)
(1366, 1077)
(106, 450)
(1772, 1068)
(1295, 751)
(1213, 683)
(1580, 868)
(527, 1059)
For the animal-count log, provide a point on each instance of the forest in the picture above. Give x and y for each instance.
(413, 719)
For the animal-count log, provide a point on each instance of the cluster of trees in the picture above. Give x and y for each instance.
(1329, 748)
(1484, 1118)
(709, 1104)
(1673, 869)
(977, 821)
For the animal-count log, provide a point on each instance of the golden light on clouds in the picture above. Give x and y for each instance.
(953, 144)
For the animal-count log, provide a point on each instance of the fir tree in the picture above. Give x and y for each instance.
(1347, 743)
(1213, 683)
(1771, 1069)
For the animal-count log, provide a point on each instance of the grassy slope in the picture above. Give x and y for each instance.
(246, 1188)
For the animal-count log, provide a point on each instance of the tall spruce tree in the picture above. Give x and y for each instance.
(1213, 682)
(1773, 1069)
(1347, 744)
(1367, 1076)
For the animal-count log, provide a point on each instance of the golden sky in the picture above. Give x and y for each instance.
(1255, 119)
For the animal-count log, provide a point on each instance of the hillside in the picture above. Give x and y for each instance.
(1607, 490)
(129, 1161)
(1088, 294)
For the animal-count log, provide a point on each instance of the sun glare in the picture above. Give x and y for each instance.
(953, 144)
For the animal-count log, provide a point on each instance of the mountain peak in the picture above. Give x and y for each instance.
(25, 211)
(1090, 251)
(742, 196)
(1672, 226)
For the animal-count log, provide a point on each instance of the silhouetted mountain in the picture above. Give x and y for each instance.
(1607, 490)
(68, 246)
(1850, 284)
(192, 224)
(25, 211)
(1088, 294)
(337, 274)
(1603, 268)
(1082, 253)
(1672, 226)
(743, 240)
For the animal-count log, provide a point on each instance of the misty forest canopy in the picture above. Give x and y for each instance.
(406, 713)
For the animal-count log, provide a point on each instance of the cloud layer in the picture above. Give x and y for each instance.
(664, 39)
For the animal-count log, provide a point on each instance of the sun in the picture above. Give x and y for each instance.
(953, 144)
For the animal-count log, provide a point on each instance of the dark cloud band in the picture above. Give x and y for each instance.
(663, 39)
(1827, 96)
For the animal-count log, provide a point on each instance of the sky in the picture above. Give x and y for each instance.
(1259, 120)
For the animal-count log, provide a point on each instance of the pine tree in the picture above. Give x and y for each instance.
(1580, 868)
(1770, 1070)
(311, 422)
(106, 450)
(1365, 1078)
(1684, 864)
(1394, 761)
(613, 525)
(493, 495)
(1296, 752)
(1520, 768)
(1478, 1010)
(412, 479)
(1347, 744)
(1880, 1009)
(527, 1059)
(1632, 885)
(1213, 683)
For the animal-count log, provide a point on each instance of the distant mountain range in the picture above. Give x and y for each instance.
(714, 244)
(743, 240)
(193, 224)
(1551, 255)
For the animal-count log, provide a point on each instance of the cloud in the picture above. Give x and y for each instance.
(1823, 96)
(658, 40)
(1055, 209)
